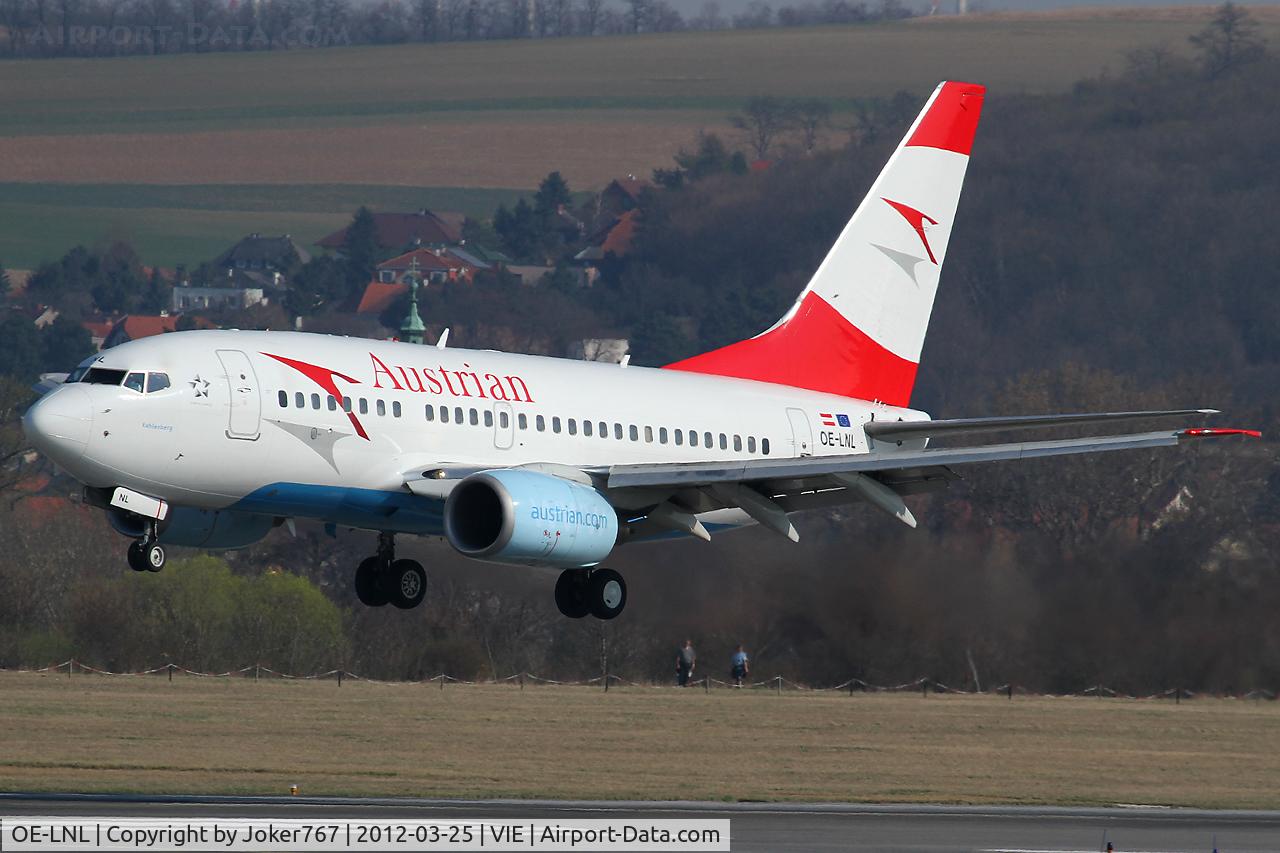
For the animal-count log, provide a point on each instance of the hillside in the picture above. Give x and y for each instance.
(493, 115)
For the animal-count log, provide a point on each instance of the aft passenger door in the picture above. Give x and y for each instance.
(244, 401)
(504, 428)
(801, 433)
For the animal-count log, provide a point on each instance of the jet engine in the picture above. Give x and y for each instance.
(196, 528)
(530, 518)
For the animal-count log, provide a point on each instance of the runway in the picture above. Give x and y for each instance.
(759, 826)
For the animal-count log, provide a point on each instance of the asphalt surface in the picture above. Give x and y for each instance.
(756, 826)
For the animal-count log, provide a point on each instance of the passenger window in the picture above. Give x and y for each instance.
(333, 403)
(693, 438)
(617, 431)
(284, 399)
(444, 414)
(555, 424)
(679, 437)
(523, 420)
(381, 407)
(706, 441)
(724, 442)
(346, 404)
(542, 423)
(475, 417)
(157, 382)
(604, 430)
(457, 414)
(573, 426)
(504, 420)
(635, 433)
(737, 443)
(431, 413)
(315, 402)
(488, 418)
(662, 435)
(299, 400)
(648, 434)
(751, 444)
(764, 446)
(395, 409)
(364, 406)
(586, 428)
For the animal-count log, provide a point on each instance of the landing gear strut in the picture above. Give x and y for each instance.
(146, 554)
(600, 592)
(382, 579)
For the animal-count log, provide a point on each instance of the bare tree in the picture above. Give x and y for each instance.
(589, 16)
(1230, 40)
(761, 121)
(812, 116)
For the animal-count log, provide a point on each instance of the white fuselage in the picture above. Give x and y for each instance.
(251, 421)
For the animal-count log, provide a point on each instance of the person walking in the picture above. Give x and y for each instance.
(741, 666)
(686, 660)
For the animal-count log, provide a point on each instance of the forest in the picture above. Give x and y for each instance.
(1114, 249)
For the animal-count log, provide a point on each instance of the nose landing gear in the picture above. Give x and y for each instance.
(382, 579)
(146, 554)
(599, 592)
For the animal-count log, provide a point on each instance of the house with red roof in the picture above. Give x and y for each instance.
(399, 231)
(131, 327)
(429, 266)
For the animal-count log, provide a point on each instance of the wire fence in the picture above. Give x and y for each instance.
(777, 684)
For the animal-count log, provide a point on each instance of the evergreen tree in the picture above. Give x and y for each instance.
(552, 193)
(20, 351)
(361, 249)
(64, 344)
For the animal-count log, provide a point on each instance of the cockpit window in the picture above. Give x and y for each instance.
(77, 374)
(104, 376)
(135, 381)
(157, 382)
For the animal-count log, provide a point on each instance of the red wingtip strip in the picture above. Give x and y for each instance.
(952, 120)
(1214, 433)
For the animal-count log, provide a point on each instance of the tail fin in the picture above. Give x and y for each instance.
(858, 327)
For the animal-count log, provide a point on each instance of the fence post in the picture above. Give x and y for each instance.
(170, 668)
(71, 664)
(851, 688)
(256, 667)
(339, 676)
(779, 680)
(706, 684)
(1177, 696)
(522, 682)
(1010, 691)
(442, 682)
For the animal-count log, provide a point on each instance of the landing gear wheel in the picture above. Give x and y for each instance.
(606, 593)
(571, 593)
(368, 590)
(137, 559)
(406, 584)
(154, 556)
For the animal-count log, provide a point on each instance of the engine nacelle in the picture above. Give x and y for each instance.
(196, 528)
(528, 518)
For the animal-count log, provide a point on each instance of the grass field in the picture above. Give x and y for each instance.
(492, 115)
(144, 734)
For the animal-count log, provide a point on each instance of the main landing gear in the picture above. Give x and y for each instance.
(600, 592)
(146, 554)
(382, 579)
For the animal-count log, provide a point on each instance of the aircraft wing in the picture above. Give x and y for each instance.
(767, 489)
(902, 430)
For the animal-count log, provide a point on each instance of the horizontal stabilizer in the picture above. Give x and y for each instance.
(903, 430)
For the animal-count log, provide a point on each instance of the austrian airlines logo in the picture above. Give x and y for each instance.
(916, 220)
(324, 377)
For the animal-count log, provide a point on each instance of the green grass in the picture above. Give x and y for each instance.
(170, 225)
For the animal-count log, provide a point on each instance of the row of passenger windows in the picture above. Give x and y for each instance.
(572, 426)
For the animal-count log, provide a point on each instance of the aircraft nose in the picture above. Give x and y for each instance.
(58, 425)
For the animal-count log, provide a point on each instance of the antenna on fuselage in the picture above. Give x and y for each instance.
(444, 339)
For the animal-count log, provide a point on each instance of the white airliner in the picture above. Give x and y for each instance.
(210, 438)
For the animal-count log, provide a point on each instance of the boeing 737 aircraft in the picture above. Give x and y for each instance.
(209, 439)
